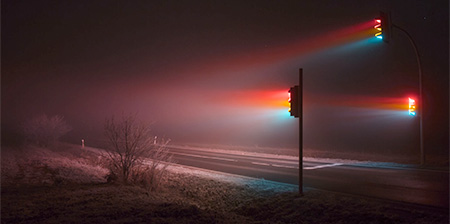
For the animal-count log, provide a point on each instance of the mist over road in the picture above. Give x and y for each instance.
(418, 186)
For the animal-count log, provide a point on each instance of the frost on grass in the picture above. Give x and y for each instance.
(253, 183)
(187, 195)
(36, 166)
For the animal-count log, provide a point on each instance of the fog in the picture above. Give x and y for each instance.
(219, 74)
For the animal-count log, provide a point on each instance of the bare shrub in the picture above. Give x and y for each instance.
(151, 172)
(133, 155)
(45, 131)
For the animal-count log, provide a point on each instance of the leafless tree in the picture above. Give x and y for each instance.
(132, 152)
(45, 131)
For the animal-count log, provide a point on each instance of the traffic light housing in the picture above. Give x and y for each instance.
(383, 27)
(412, 107)
(293, 101)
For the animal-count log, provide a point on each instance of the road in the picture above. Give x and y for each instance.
(418, 186)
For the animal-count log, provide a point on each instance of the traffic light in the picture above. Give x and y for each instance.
(383, 27)
(293, 101)
(379, 28)
(412, 107)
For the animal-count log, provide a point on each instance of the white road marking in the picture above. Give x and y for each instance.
(296, 167)
(275, 165)
(262, 164)
(284, 166)
(205, 157)
(259, 163)
(322, 166)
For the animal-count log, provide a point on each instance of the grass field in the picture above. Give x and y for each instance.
(64, 185)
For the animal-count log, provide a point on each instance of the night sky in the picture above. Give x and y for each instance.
(218, 72)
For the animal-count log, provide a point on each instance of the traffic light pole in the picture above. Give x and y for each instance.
(300, 132)
(422, 151)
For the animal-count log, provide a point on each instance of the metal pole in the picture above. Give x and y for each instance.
(422, 151)
(300, 129)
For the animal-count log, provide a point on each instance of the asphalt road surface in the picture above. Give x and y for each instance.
(411, 185)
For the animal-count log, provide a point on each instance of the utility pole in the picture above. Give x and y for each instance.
(296, 110)
(300, 132)
(384, 31)
(421, 104)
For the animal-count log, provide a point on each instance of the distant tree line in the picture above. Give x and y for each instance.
(44, 131)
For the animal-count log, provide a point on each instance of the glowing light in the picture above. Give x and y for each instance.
(257, 98)
(258, 58)
(294, 101)
(379, 29)
(289, 100)
(412, 107)
(366, 102)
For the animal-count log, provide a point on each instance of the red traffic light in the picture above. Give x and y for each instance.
(412, 107)
(383, 27)
(293, 101)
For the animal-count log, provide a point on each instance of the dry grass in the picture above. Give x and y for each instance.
(325, 207)
(186, 196)
(31, 165)
(95, 204)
